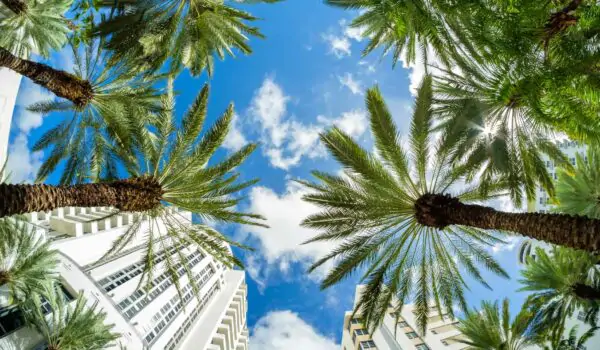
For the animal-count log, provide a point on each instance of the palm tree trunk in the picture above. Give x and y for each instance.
(577, 232)
(61, 83)
(586, 292)
(135, 194)
(16, 6)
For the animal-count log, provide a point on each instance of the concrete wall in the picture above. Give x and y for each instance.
(9, 87)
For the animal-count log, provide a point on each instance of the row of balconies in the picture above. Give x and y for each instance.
(232, 333)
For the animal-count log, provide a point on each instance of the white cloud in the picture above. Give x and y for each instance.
(353, 123)
(511, 243)
(348, 81)
(285, 330)
(284, 213)
(22, 165)
(30, 93)
(370, 67)
(235, 139)
(338, 45)
(287, 141)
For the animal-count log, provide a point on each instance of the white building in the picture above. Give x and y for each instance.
(9, 87)
(543, 204)
(156, 319)
(400, 333)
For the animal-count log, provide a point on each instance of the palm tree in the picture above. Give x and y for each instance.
(578, 191)
(497, 123)
(91, 85)
(33, 25)
(69, 327)
(404, 28)
(491, 328)
(26, 261)
(562, 282)
(170, 167)
(91, 139)
(401, 214)
(557, 342)
(188, 32)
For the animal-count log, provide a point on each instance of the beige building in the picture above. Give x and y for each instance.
(400, 333)
(146, 319)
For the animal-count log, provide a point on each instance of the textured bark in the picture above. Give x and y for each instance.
(577, 232)
(586, 292)
(4, 277)
(136, 194)
(562, 19)
(16, 6)
(61, 83)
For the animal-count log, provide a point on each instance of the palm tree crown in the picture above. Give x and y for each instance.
(92, 137)
(189, 32)
(578, 191)
(562, 282)
(69, 327)
(39, 27)
(491, 328)
(26, 261)
(372, 209)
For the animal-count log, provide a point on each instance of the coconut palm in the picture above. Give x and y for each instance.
(26, 261)
(578, 191)
(33, 26)
(188, 32)
(91, 138)
(491, 328)
(404, 215)
(69, 327)
(170, 167)
(561, 283)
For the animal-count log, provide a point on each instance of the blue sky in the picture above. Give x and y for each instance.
(307, 75)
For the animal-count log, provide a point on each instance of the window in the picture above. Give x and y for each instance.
(361, 332)
(572, 159)
(445, 342)
(412, 335)
(433, 331)
(581, 316)
(356, 320)
(422, 347)
(367, 344)
(402, 324)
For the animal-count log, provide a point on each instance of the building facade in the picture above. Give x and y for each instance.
(9, 87)
(399, 333)
(543, 204)
(154, 318)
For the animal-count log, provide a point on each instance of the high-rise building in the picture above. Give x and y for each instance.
(400, 333)
(154, 318)
(9, 87)
(542, 203)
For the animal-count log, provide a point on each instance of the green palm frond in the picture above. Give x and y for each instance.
(90, 141)
(40, 29)
(26, 260)
(491, 327)
(493, 119)
(68, 327)
(177, 156)
(189, 33)
(561, 283)
(370, 210)
(556, 341)
(578, 191)
(404, 28)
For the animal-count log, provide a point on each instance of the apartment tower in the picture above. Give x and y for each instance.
(146, 319)
(399, 333)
